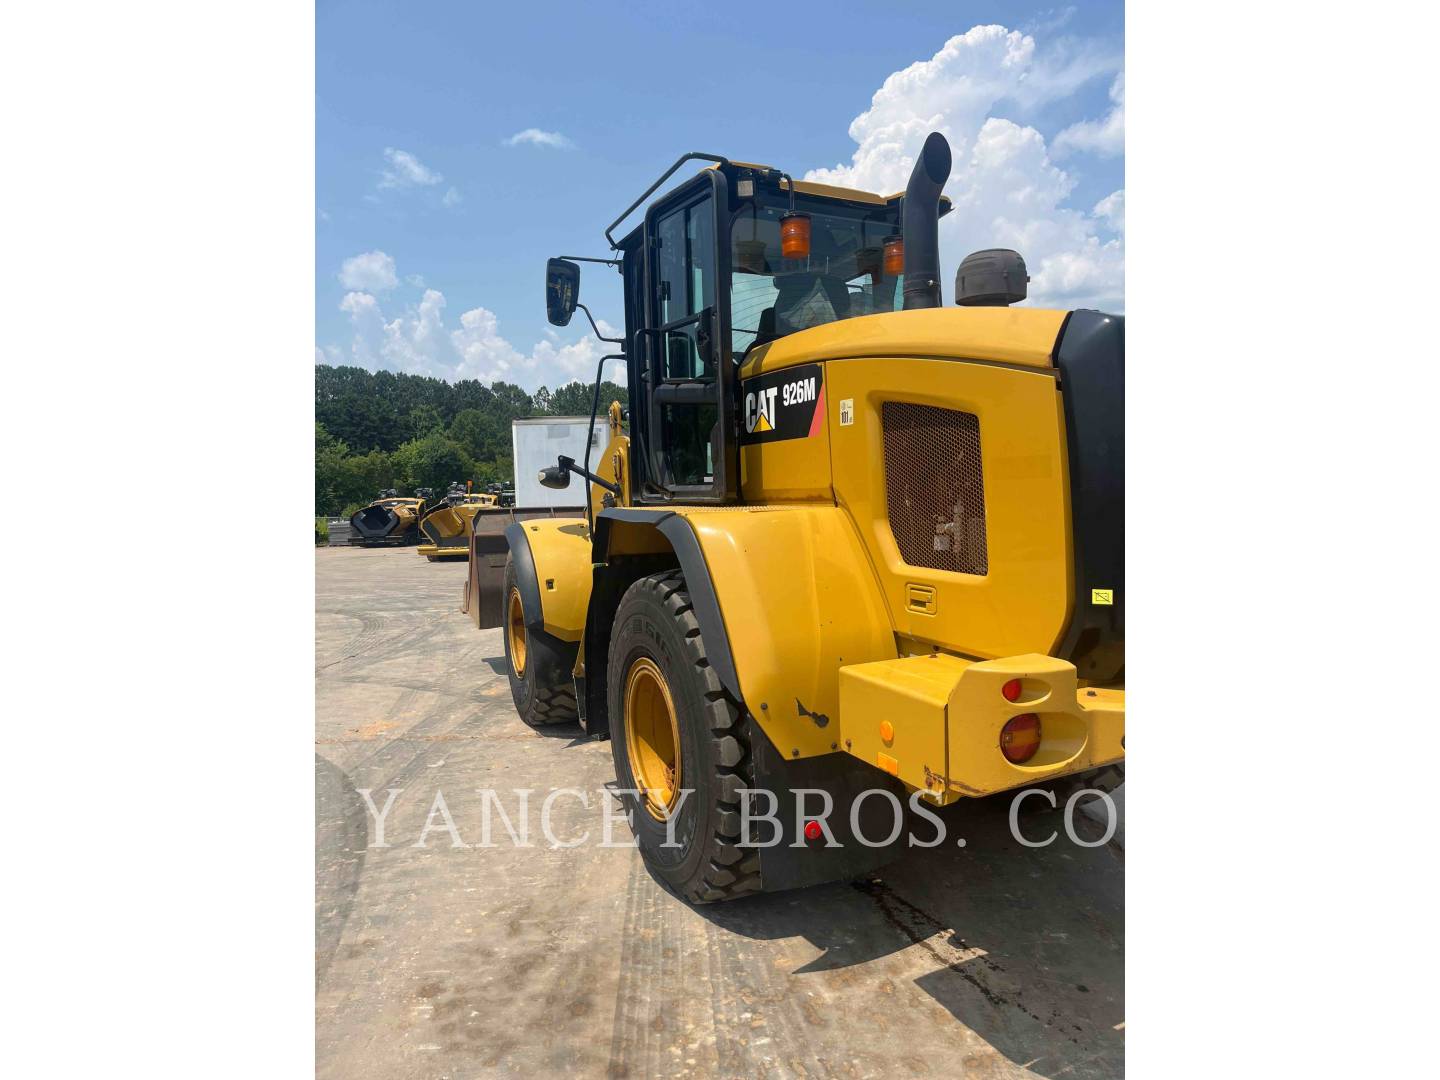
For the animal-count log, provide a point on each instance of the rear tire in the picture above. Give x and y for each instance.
(657, 641)
(540, 673)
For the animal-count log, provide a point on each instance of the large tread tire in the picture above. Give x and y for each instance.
(544, 692)
(655, 619)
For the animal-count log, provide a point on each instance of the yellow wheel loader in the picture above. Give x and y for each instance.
(854, 547)
(390, 520)
(445, 529)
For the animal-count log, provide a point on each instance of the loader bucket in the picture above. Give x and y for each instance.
(374, 523)
(386, 522)
(445, 533)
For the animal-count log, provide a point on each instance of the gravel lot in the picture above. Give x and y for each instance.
(991, 960)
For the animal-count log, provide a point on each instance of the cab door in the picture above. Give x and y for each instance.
(689, 378)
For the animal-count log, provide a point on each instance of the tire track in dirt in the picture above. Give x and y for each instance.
(696, 999)
(763, 1021)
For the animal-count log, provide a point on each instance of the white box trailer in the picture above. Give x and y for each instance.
(536, 443)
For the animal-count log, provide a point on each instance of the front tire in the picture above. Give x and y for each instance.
(675, 729)
(540, 674)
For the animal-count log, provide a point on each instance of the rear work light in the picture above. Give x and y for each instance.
(1020, 738)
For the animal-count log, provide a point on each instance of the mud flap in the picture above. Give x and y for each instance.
(844, 778)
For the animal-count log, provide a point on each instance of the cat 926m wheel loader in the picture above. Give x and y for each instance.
(851, 539)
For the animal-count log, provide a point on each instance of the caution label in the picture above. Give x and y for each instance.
(787, 404)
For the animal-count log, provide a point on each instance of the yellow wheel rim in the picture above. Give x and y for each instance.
(652, 736)
(515, 627)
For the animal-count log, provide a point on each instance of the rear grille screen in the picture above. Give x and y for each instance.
(934, 486)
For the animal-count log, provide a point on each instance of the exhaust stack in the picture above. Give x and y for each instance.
(920, 223)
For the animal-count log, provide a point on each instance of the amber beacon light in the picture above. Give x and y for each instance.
(894, 256)
(795, 235)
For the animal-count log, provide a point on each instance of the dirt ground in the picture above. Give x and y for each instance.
(991, 960)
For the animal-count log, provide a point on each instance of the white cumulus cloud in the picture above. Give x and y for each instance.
(1104, 137)
(404, 169)
(372, 271)
(1006, 190)
(1112, 210)
(536, 137)
(418, 341)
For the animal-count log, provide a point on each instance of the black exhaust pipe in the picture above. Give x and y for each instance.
(920, 223)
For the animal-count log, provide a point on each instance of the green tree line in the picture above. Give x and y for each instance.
(378, 429)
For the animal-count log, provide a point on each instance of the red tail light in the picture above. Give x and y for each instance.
(1020, 738)
(1011, 690)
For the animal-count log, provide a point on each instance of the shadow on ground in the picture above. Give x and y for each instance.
(1025, 945)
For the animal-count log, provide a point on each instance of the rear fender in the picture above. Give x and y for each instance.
(785, 595)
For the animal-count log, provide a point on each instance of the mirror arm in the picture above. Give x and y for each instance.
(602, 337)
(567, 465)
(616, 263)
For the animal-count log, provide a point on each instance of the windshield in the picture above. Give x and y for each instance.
(771, 296)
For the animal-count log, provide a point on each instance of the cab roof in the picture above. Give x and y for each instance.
(832, 191)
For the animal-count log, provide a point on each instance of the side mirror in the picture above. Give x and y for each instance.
(562, 291)
(555, 477)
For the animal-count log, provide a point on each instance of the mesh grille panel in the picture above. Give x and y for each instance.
(934, 486)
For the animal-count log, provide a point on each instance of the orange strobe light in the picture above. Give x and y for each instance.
(894, 255)
(795, 235)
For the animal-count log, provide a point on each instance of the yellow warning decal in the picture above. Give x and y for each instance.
(1104, 597)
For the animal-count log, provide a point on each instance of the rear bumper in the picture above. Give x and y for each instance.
(944, 715)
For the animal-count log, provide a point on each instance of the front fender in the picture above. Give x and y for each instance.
(552, 571)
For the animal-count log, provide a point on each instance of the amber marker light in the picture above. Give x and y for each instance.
(894, 255)
(795, 235)
(1020, 738)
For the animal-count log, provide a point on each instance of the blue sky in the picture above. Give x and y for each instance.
(433, 222)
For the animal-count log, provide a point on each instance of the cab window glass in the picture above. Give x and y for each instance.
(843, 277)
(685, 262)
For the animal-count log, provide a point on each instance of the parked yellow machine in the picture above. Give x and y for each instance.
(444, 529)
(850, 540)
(391, 519)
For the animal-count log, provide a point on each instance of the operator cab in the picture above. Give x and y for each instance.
(736, 257)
